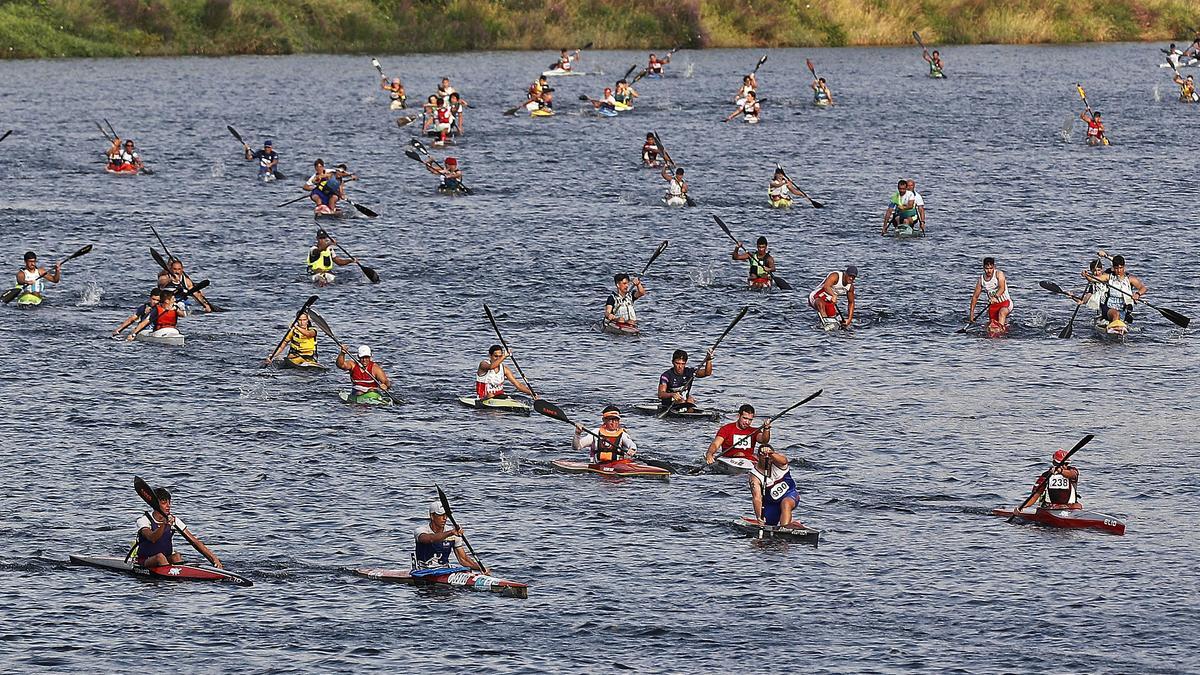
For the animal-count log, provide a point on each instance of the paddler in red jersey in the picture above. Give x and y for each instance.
(773, 489)
(1058, 484)
(165, 318)
(738, 438)
(366, 376)
(491, 374)
(1095, 131)
(154, 535)
(613, 443)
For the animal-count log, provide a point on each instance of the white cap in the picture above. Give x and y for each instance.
(364, 351)
(436, 509)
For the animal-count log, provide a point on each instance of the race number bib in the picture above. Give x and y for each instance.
(743, 442)
(1058, 482)
(778, 490)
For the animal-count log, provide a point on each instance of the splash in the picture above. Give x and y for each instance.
(510, 465)
(90, 294)
(702, 277)
(687, 72)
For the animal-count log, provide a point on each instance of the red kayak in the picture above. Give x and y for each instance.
(458, 577)
(1065, 518)
(124, 169)
(174, 572)
(621, 467)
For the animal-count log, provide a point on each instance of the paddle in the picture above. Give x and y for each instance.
(554, 412)
(307, 303)
(414, 156)
(1169, 314)
(688, 390)
(972, 322)
(454, 523)
(657, 252)
(759, 64)
(145, 169)
(809, 63)
(5, 135)
(166, 266)
(1055, 288)
(235, 134)
(144, 491)
(815, 204)
(629, 72)
(669, 163)
(362, 209)
(306, 195)
(378, 68)
(917, 37)
(324, 326)
(1083, 96)
(12, 293)
(772, 420)
(1036, 493)
(370, 273)
(783, 285)
(495, 327)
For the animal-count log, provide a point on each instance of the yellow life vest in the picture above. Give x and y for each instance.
(298, 344)
(322, 263)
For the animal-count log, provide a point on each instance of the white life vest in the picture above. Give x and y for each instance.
(992, 288)
(492, 381)
(1099, 295)
(675, 189)
(623, 306)
(1117, 298)
(32, 282)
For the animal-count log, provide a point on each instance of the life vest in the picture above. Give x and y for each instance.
(608, 446)
(443, 115)
(147, 548)
(301, 345)
(1095, 128)
(327, 186)
(675, 188)
(319, 261)
(650, 150)
(361, 379)
(164, 318)
(992, 289)
(655, 66)
(623, 307)
(758, 266)
(778, 191)
(432, 555)
(1059, 490)
(750, 109)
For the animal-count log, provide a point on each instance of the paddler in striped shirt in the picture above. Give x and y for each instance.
(614, 442)
(738, 438)
(491, 374)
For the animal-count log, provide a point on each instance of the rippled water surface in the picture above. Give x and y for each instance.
(920, 431)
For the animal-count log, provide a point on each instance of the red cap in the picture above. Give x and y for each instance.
(1060, 455)
(450, 161)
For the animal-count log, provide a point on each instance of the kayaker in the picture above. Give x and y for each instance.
(749, 107)
(1123, 291)
(762, 263)
(824, 299)
(618, 309)
(935, 63)
(140, 313)
(366, 376)
(124, 158)
(537, 92)
(566, 61)
(450, 174)
(268, 159)
(491, 374)
(427, 113)
(443, 121)
(445, 91)
(1096, 294)
(1095, 131)
(781, 189)
(749, 86)
(434, 543)
(164, 317)
(650, 152)
(1187, 88)
(182, 281)
(395, 92)
(677, 191)
(324, 188)
(321, 258)
(905, 206)
(738, 438)
(606, 102)
(655, 66)
(675, 384)
(614, 442)
(32, 279)
(773, 489)
(155, 532)
(1059, 484)
(995, 285)
(301, 343)
(821, 93)
(915, 201)
(624, 93)
(457, 109)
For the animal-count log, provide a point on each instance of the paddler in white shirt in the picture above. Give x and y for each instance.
(32, 279)
(749, 86)
(618, 309)
(993, 283)
(155, 531)
(434, 542)
(614, 442)
(491, 374)
(749, 107)
(773, 489)
(824, 299)
(1123, 291)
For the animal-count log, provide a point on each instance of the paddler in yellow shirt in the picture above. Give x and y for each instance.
(321, 259)
(301, 343)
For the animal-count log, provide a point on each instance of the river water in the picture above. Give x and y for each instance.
(919, 431)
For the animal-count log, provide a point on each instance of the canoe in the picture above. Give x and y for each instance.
(754, 527)
(621, 468)
(677, 412)
(324, 278)
(780, 202)
(541, 112)
(451, 577)
(165, 336)
(619, 329)
(500, 404)
(732, 466)
(28, 301)
(180, 572)
(1065, 518)
(347, 397)
(302, 366)
(997, 330)
(675, 201)
(450, 191)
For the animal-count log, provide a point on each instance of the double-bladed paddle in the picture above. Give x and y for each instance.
(371, 274)
(454, 523)
(304, 308)
(320, 322)
(166, 266)
(811, 69)
(6, 134)
(1055, 288)
(1083, 97)
(688, 389)
(420, 148)
(759, 64)
(144, 491)
(779, 281)
(815, 204)
(492, 320)
(657, 252)
(12, 293)
(1036, 493)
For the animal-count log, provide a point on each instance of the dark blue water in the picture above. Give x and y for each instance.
(920, 431)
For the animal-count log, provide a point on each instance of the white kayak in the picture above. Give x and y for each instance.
(674, 201)
(163, 336)
(559, 72)
(732, 466)
(324, 278)
(500, 403)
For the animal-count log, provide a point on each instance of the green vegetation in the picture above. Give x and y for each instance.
(54, 28)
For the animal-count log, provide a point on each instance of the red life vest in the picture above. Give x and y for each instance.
(1095, 129)
(165, 318)
(443, 115)
(361, 379)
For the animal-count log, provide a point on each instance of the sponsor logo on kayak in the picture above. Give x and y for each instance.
(174, 571)
(459, 579)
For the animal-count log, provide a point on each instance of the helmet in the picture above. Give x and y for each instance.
(1060, 456)
(450, 161)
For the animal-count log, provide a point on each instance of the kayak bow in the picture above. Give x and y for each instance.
(453, 577)
(182, 572)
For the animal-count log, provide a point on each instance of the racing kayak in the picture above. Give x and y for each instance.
(677, 412)
(449, 577)
(621, 467)
(29, 301)
(904, 230)
(996, 329)
(780, 202)
(123, 170)
(821, 102)
(451, 191)
(541, 112)
(324, 278)
(828, 324)
(163, 336)
(674, 201)
(302, 365)
(732, 466)
(622, 107)
(369, 398)
(559, 72)
(605, 112)
(754, 527)
(323, 211)
(180, 572)
(501, 404)
(1110, 331)
(1065, 518)
(759, 284)
(619, 329)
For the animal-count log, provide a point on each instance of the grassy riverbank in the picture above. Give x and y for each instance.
(55, 28)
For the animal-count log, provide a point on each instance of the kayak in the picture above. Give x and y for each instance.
(124, 170)
(828, 324)
(997, 330)
(559, 72)
(622, 107)
(163, 336)
(678, 412)
(397, 104)
(450, 191)
(180, 572)
(780, 202)
(1108, 331)
(732, 466)
(821, 102)
(759, 285)
(28, 301)
(753, 526)
(541, 112)
(621, 467)
(302, 365)
(674, 201)
(937, 75)
(501, 404)
(323, 211)
(605, 112)
(369, 398)
(449, 577)
(907, 230)
(324, 278)
(1065, 518)
(751, 120)
(619, 329)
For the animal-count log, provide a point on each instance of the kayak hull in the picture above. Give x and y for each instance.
(674, 201)
(359, 399)
(755, 528)
(1106, 331)
(619, 329)
(622, 468)
(732, 466)
(541, 112)
(165, 336)
(171, 572)
(324, 278)
(558, 72)
(450, 578)
(780, 203)
(28, 301)
(302, 366)
(677, 413)
(1066, 519)
(499, 404)
(323, 211)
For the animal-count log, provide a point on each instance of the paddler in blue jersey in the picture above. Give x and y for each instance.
(611, 441)
(773, 489)
(32, 279)
(321, 259)
(366, 376)
(762, 264)
(327, 187)
(155, 531)
(268, 159)
(434, 542)
(675, 385)
(139, 314)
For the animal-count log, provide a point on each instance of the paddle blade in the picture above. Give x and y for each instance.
(158, 259)
(445, 502)
(412, 154)
(724, 228)
(404, 120)
(372, 275)
(809, 63)
(1052, 287)
(5, 135)
(550, 410)
(1174, 317)
(235, 133)
(83, 251)
(783, 285)
(319, 322)
(364, 210)
(1067, 330)
(11, 294)
(143, 490)
(584, 97)
(629, 72)
(183, 293)
(657, 252)
(816, 204)
(312, 299)
(587, 46)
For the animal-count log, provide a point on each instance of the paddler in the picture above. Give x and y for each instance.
(321, 258)
(182, 281)
(450, 174)
(935, 63)
(624, 93)
(762, 263)
(749, 107)
(749, 85)
(1095, 131)
(655, 66)
(537, 91)
(678, 188)
(324, 188)
(366, 376)
(614, 442)
(445, 91)
(773, 489)
(457, 108)
(443, 121)
(491, 374)
(434, 543)
(675, 384)
(781, 188)
(824, 299)
(565, 61)
(618, 309)
(1096, 293)
(1059, 483)
(1187, 88)
(650, 152)
(155, 532)
(737, 439)
(164, 317)
(268, 159)
(140, 313)
(905, 207)
(1123, 291)
(395, 92)
(821, 93)
(301, 343)
(995, 285)
(32, 279)
(124, 158)
(606, 102)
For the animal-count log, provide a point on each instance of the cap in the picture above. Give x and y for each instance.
(364, 351)
(1059, 456)
(450, 161)
(436, 509)
(610, 412)
(266, 144)
(851, 271)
